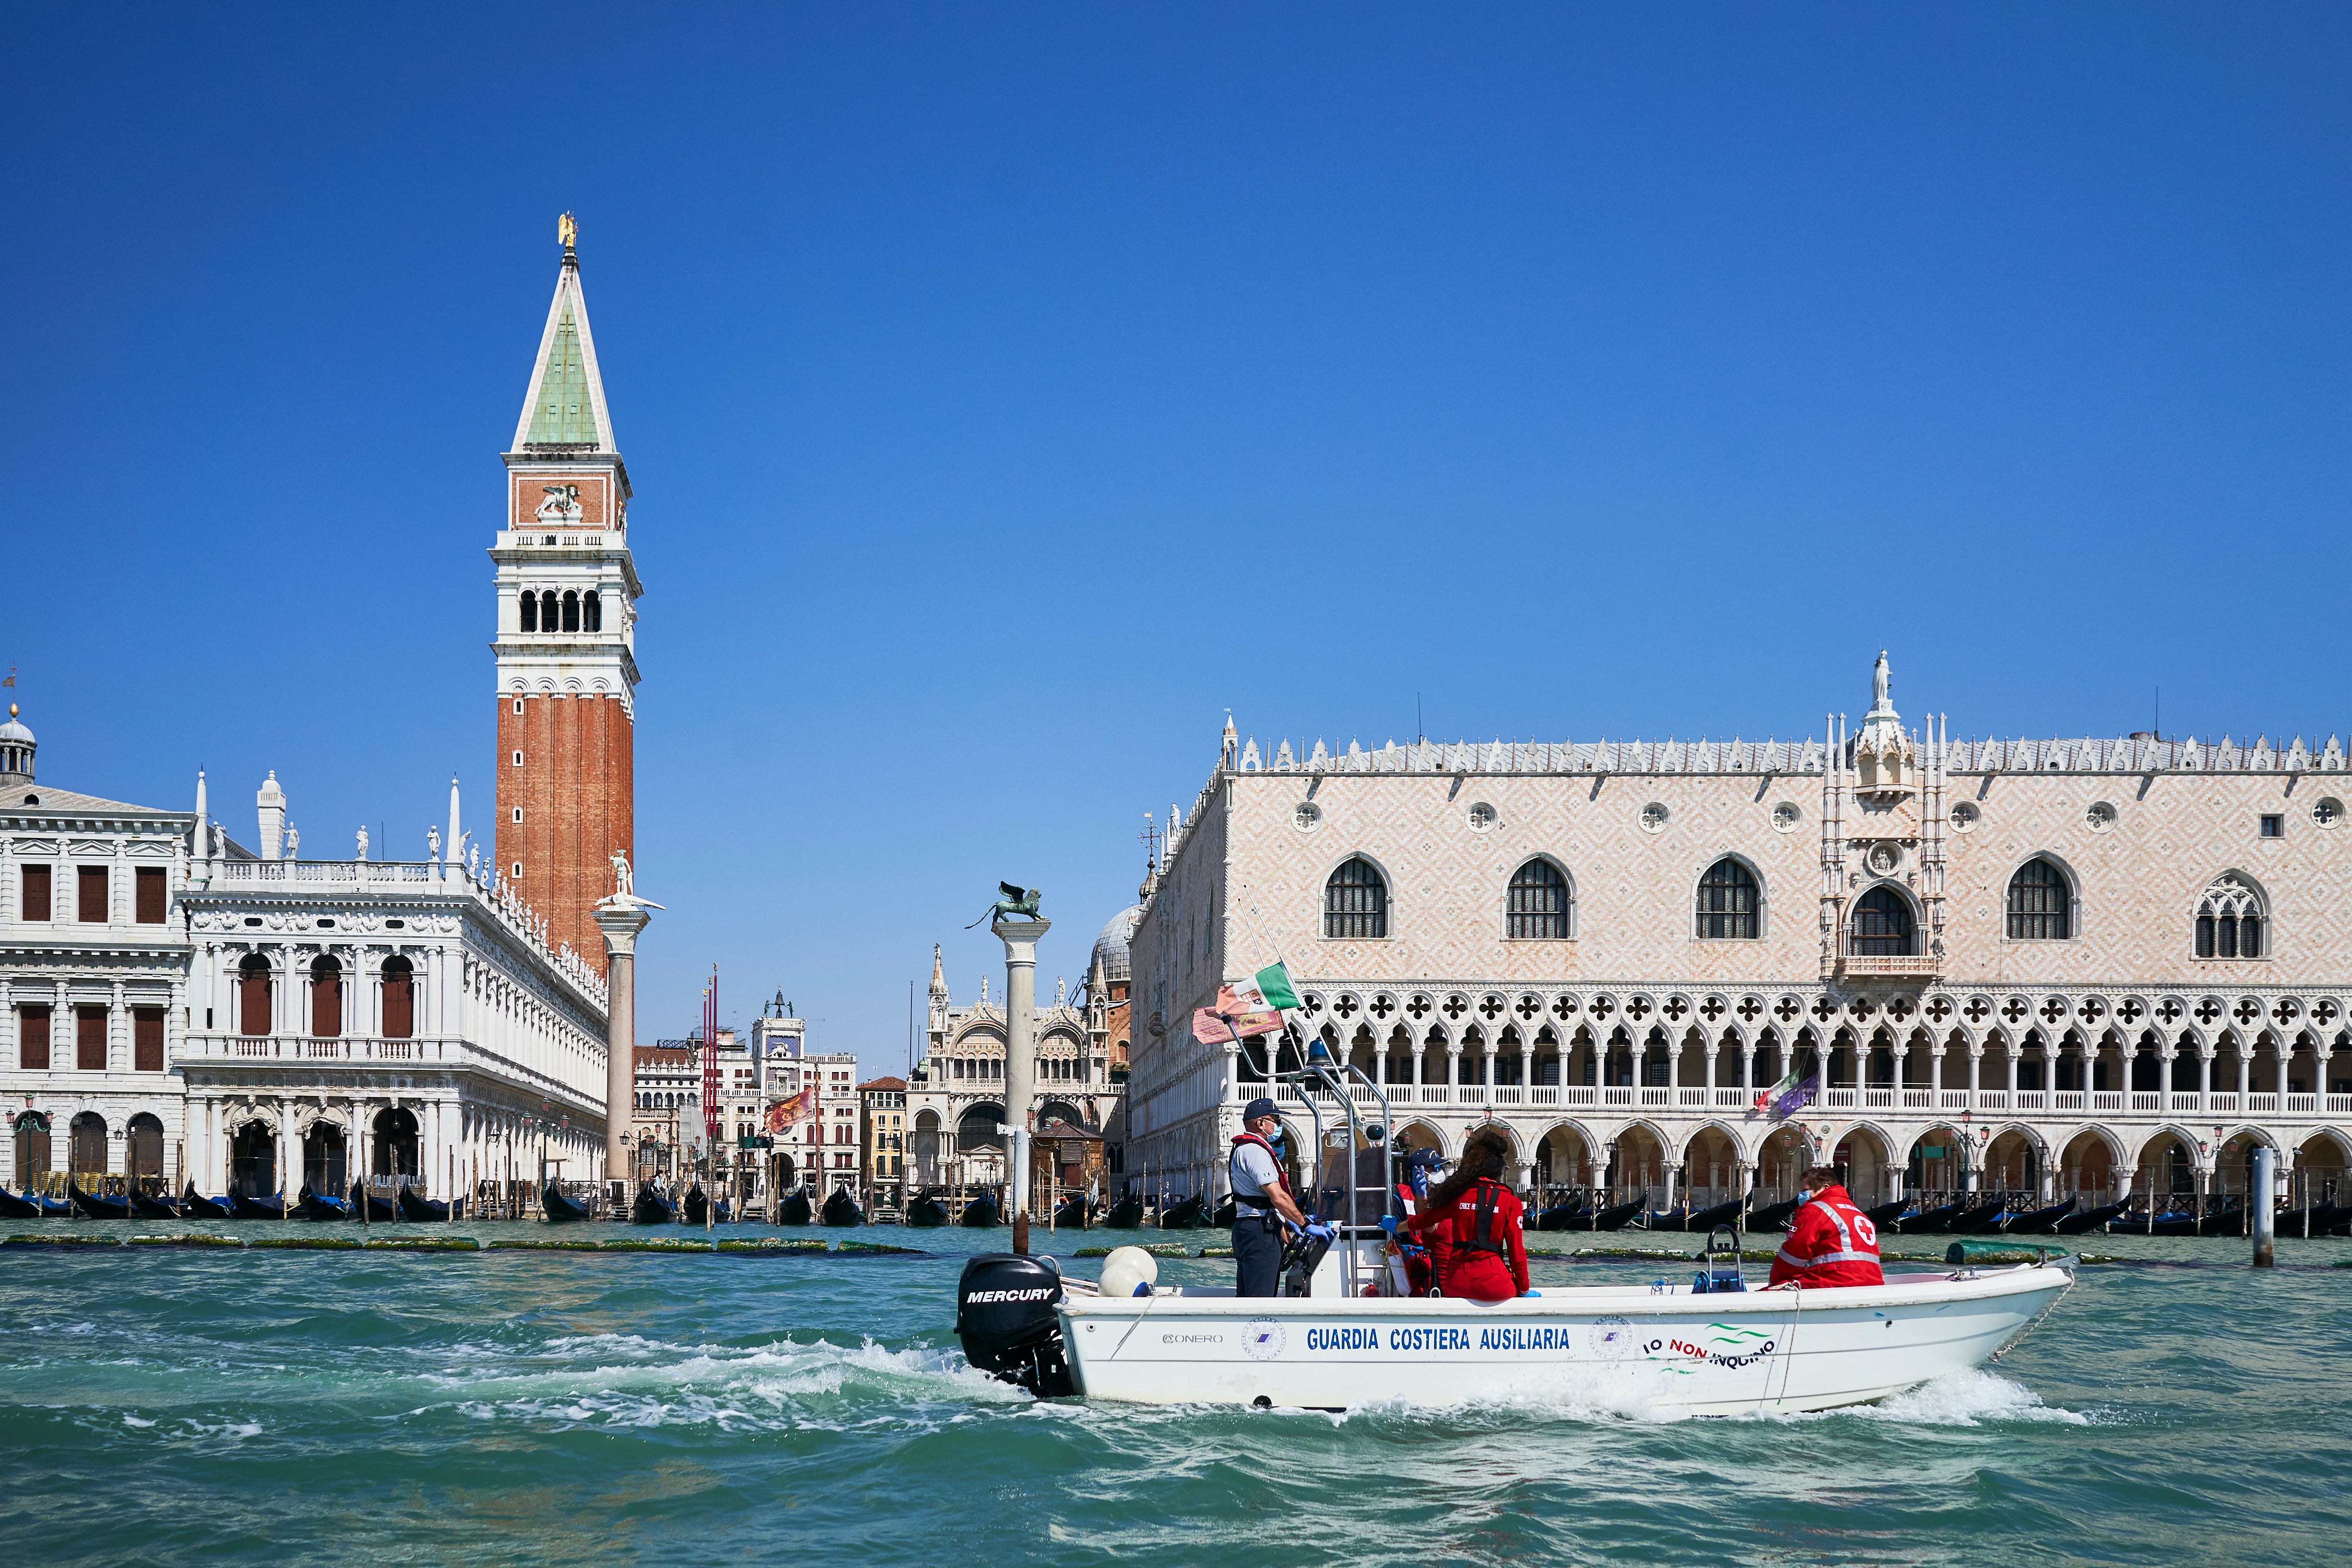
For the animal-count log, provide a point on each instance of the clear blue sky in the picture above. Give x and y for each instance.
(1591, 372)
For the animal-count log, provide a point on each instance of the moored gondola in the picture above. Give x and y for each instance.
(558, 1209)
(378, 1211)
(2229, 1220)
(695, 1207)
(144, 1207)
(52, 1208)
(1982, 1220)
(2176, 1222)
(2088, 1220)
(89, 1205)
(2041, 1222)
(1074, 1212)
(795, 1209)
(1773, 1216)
(1928, 1222)
(1570, 1215)
(651, 1206)
(1614, 1217)
(981, 1213)
(308, 1205)
(193, 1204)
(14, 1207)
(1886, 1215)
(1663, 1219)
(241, 1206)
(1189, 1213)
(841, 1209)
(415, 1206)
(926, 1212)
(1224, 1218)
(2313, 1221)
(1706, 1219)
(1125, 1215)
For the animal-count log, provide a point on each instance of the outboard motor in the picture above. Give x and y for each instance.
(1005, 1317)
(1301, 1256)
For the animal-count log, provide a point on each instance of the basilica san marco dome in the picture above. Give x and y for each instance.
(1111, 947)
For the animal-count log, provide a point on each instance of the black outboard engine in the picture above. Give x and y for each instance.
(1301, 1255)
(1005, 1317)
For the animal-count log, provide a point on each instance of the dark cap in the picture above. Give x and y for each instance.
(1423, 1160)
(1256, 1108)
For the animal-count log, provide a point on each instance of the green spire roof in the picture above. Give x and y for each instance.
(566, 408)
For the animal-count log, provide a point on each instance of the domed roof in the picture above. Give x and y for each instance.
(1111, 947)
(12, 730)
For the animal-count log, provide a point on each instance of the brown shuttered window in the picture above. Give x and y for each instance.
(147, 1040)
(92, 899)
(89, 1040)
(33, 1037)
(399, 999)
(326, 998)
(252, 997)
(37, 893)
(150, 896)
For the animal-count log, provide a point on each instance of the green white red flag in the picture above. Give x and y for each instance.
(1250, 1006)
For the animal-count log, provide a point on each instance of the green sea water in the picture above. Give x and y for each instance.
(181, 1407)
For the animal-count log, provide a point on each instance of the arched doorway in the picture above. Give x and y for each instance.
(2086, 1170)
(1638, 1168)
(2233, 1164)
(396, 1143)
(32, 1150)
(2013, 1164)
(1710, 1169)
(325, 1162)
(143, 1151)
(253, 1159)
(253, 995)
(1863, 1162)
(1938, 1169)
(1563, 1161)
(925, 1146)
(86, 1149)
(976, 1129)
(1781, 1166)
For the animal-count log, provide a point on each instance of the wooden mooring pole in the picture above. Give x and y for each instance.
(2260, 1209)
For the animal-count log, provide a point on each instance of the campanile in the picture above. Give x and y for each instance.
(566, 644)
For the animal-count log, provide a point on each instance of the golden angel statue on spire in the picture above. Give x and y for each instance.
(567, 231)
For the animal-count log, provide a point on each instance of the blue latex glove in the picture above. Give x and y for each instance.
(1390, 1224)
(1322, 1232)
(1525, 1294)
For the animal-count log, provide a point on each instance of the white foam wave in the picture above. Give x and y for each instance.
(1971, 1398)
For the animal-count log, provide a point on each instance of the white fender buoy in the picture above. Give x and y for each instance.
(1129, 1271)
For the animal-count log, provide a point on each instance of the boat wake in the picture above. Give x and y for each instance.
(1971, 1398)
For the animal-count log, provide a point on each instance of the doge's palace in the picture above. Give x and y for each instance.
(2097, 969)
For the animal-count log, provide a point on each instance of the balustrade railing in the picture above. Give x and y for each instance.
(1838, 1099)
(2256, 1104)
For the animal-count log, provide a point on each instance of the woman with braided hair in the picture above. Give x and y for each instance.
(1472, 1223)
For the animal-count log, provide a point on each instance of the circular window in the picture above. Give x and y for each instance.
(2100, 817)
(1482, 817)
(1964, 816)
(2327, 811)
(1654, 818)
(1884, 858)
(1307, 816)
(1785, 816)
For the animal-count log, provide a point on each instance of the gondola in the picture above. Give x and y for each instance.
(841, 1209)
(696, 1205)
(14, 1207)
(1074, 1213)
(2175, 1223)
(979, 1214)
(415, 1206)
(378, 1211)
(1125, 1215)
(651, 1206)
(1886, 1215)
(1614, 1218)
(2041, 1222)
(2313, 1221)
(144, 1207)
(52, 1208)
(1928, 1222)
(559, 1209)
(795, 1209)
(2088, 1220)
(311, 1205)
(2228, 1221)
(1773, 1216)
(1663, 1219)
(243, 1207)
(91, 1207)
(1982, 1220)
(926, 1211)
(1570, 1215)
(1190, 1213)
(193, 1204)
(1706, 1219)
(1224, 1217)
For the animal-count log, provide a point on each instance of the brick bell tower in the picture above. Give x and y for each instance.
(566, 649)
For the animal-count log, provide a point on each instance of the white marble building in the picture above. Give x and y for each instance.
(2044, 967)
(93, 975)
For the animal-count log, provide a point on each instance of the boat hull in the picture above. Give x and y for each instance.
(1713, 1355)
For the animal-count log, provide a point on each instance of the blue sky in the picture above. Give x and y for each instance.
(1591, 371)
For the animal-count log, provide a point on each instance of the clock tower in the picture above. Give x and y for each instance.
(566, 644)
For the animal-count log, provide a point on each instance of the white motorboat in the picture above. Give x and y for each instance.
(1717, 1352)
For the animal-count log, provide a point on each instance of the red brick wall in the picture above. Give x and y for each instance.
(576, 788)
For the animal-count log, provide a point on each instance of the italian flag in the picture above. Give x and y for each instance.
(1251, 1007)
(1267, 991)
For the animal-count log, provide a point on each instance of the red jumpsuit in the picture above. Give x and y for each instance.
(1493, 1272)
(1831, 1242)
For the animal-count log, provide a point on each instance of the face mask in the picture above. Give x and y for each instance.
(1803, 1197)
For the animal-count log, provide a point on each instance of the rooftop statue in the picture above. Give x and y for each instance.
(1878, 684)
(567, 231)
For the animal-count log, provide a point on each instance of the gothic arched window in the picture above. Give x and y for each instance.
(1355, 901)
(1537, 906)
(571, 611)
(549, 616)
(2230, 918)
(530, 612)
(1882, 924)
(2039, 904)
(591, 612)
(1728, 901)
